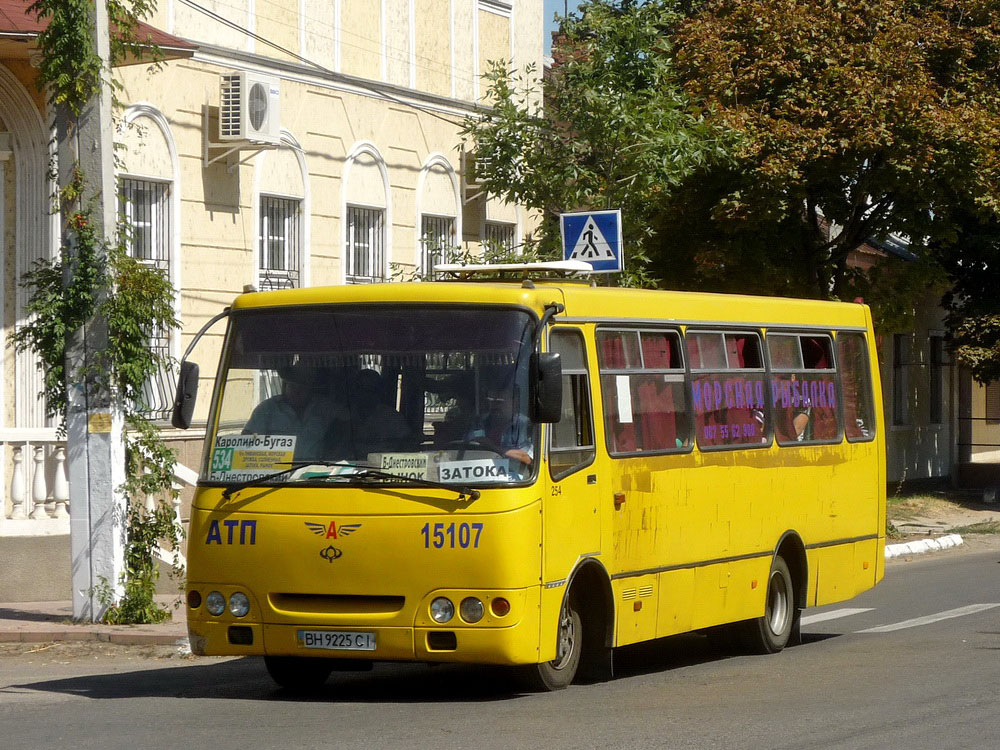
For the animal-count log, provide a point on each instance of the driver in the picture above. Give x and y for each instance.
(504, 429)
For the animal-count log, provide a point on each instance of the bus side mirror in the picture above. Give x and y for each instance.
(186, 396)
(548, 387)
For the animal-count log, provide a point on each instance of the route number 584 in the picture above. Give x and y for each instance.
(463, 535)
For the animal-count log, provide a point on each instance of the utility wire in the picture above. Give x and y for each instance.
(233, 25)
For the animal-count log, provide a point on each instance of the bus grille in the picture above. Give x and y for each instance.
(335, 604)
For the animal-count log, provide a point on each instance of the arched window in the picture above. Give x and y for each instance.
(367, 216)
(438, 213)
(148, 210)
(282, 211)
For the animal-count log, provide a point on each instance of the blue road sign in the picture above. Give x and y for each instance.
(594, 237)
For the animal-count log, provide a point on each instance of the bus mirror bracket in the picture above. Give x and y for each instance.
(186, 394)
(548, 387)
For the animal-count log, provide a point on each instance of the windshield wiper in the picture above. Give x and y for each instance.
(364, 472)
(292, 467)
(372, 473)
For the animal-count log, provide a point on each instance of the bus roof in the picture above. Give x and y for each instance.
(582, 302)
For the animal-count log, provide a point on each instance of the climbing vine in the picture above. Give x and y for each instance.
(96, 282)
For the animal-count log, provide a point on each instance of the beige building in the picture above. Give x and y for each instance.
(283, 143)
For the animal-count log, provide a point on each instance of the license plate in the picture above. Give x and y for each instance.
(340, 640)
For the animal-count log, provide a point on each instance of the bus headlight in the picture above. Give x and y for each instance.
(239, 604)
(442, 610)
(215, 603)
(471, 609)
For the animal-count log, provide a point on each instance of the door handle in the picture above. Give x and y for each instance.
(592, 479)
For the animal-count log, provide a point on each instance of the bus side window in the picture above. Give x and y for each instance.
(856, 386)
(803, 388)
(728, 389)
(642, 381)
(571, 441)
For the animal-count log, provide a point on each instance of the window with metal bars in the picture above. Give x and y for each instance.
(144, 210)
(365, 241)
(437, 236)
(499, 235)
(279, 240)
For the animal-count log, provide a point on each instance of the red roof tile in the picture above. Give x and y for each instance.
(17, 20)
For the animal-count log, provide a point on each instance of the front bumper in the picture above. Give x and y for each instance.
(484, 643)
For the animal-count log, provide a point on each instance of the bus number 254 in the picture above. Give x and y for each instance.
(450, 535)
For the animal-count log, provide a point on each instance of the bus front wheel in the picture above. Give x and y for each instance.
(559, 673)
(298, 673)
(769, 634)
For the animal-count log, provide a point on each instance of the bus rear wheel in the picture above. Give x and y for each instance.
(770, 634)
(298, 673)
(559, 673)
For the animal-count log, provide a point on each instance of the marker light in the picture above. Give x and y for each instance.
(239, 604)
(215, 603)
(500, 607)
(442, 610)
(194, 599)
(471, 609)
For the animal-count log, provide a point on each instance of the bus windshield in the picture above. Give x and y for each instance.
(426, 393)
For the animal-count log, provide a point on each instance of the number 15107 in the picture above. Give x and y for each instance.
(451, 535)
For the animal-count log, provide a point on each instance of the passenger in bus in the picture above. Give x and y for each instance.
(374, 425)
(502, 428)
(300, 410)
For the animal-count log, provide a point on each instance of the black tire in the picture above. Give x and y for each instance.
(770, 634)
(560, 672)
(298, 673)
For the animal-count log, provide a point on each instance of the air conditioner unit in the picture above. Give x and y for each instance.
(249, 108)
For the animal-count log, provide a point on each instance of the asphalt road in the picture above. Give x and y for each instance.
(914, 663)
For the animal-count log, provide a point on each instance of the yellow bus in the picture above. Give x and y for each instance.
(528, 472)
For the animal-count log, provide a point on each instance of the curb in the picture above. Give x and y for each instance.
(920, 546)
(121, 639)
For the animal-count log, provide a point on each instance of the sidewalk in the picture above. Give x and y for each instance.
(43, 622)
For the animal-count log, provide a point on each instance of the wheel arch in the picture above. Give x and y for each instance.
(590, 584)
(793, 551)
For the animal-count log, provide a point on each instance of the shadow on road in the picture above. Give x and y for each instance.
(246, 678)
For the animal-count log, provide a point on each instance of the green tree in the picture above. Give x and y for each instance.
(972, 302)
(616, 131)
(859, 119)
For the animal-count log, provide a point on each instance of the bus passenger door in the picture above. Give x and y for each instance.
(571, 520)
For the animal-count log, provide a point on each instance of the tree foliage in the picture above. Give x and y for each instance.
(616, 132)
(860, 119)
(70, 67)
(755, 145)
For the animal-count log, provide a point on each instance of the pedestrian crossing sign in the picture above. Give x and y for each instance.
(594, 237)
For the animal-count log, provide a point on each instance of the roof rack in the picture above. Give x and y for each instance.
(557, 269)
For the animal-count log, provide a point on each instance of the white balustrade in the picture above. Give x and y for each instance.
(34, 470)
(37, 497)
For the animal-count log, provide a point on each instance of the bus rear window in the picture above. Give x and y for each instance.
(855, 378)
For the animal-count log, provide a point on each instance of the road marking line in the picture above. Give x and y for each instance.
(928, 619)
(833, 614)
